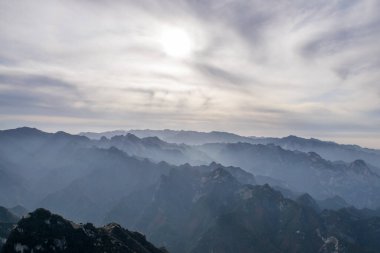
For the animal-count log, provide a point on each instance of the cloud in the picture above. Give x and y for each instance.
(257, 67)
(35, 81)
(217, 74)
(38, 94)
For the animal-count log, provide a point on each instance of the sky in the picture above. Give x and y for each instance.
(256, 68)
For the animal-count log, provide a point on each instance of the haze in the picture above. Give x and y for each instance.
(262, 68)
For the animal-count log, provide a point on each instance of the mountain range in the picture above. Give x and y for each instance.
(196, 210)
(341, 171)
(356, 181)
(192, 210)
(327, 149)
(194, 192)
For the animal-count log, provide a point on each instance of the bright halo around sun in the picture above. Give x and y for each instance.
(176, 42)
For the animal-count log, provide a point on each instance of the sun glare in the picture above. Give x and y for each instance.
(176, 42)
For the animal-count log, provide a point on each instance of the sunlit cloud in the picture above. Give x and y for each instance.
(253, 67)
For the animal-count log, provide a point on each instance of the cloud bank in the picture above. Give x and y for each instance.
(271, 67)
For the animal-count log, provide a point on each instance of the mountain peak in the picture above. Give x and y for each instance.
(152, 140)
(307, 201)
(126, 137)
(43, 231)
(219, 182)
(220, 175)
(293, 137)
(132, 137)
(19, 210)
(64, 135)
(260, 192)
(360, 167)
(358, 163)
(23, 131)
(314, 156)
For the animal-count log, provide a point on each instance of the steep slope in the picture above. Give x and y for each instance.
(211, 211)
(181, 184)
(178, 209)
(37, 167)
(30, 155)
(264, 221)
(113, 175)
(81, 178)
(303, 172)
(42, 231)
(307, 201)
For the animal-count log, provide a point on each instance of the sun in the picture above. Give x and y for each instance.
(176, 42)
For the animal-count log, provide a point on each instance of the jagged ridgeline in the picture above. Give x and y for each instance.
(42, 231)
(256, 197)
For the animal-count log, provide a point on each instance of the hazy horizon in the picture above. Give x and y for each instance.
(254, 68)
(52, 130)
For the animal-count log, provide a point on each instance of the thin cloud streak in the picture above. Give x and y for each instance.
(256, 67)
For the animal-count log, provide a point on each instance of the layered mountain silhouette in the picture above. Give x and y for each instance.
(75, 176)
(231, 195)
(39, 167)
(195, 211)
(356, 182)
(42, 231)
(173, 136)
(328, 150)
(155, 149)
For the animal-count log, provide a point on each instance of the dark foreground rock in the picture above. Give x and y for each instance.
(42, 231)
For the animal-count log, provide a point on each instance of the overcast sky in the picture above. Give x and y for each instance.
(262, 68)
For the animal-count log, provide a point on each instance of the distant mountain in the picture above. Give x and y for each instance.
(7, 221)
(173, 136)
(35, 164)
(6, 216)
(333, 203)
(195, 211)
(113, 174)
(155, 149)
(328, 150)
(42, 231)
(43, 163)
(108, 134)
(82, 178)
(307, 201)
(194, 207)
(19, 210)
(356, 182)
(186, 181)
(39, 167)
(11, 184)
